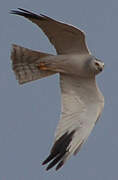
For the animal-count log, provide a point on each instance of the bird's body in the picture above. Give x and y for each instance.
(82, 101)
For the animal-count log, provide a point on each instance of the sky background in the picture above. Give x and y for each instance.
(29, 113)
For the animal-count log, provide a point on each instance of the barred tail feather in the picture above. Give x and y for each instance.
(25, 64)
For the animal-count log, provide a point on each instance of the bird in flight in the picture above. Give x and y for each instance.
(82, 101)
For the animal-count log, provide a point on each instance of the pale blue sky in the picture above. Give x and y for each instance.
(29, 113)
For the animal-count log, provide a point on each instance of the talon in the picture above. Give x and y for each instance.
(42, 66)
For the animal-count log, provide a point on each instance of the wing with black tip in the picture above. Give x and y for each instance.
(82, 104)
(66, 38)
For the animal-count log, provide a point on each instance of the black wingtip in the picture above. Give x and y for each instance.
(49, 158)
(59, 165)
(12, 11)
(19, 10)
(58, 151)
(27, 14)
(55, 161)
(16, 12)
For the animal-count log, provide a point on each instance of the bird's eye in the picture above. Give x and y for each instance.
(97, 64)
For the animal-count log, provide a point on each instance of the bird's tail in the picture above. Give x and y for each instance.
(27, 64)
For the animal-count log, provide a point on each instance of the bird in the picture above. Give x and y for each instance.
(82, 102)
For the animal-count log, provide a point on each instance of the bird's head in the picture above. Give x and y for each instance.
(97, 66)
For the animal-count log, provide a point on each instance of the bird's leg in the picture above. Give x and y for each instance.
(42, 66)
(49, 66)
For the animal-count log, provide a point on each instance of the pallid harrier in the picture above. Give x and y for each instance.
(82, 101)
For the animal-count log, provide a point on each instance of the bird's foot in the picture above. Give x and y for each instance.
(42, 66)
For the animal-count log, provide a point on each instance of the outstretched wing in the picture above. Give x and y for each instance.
(82, 104)
(66, 38)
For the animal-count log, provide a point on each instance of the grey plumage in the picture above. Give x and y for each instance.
(82, 101)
